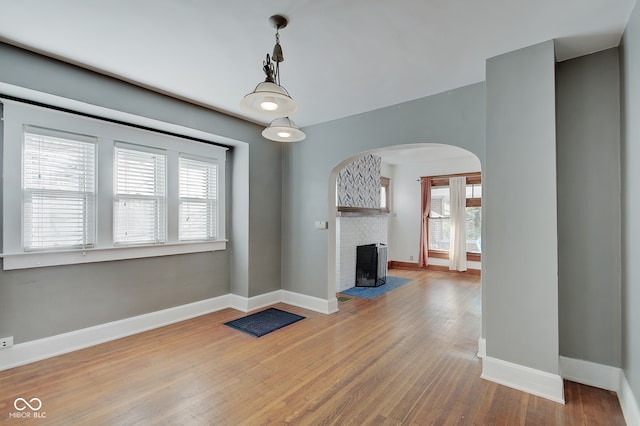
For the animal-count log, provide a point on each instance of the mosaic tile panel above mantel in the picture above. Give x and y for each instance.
(358, 183)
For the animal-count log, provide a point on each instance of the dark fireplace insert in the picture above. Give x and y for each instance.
(371, 265)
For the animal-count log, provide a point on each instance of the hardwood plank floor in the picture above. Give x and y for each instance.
(407, 357)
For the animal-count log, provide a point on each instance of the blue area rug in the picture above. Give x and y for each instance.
(264, 322)
(373, 292)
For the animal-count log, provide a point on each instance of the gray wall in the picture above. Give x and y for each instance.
(519, 256)
(630, 159)
(43, 302)
(588, 167)
(47, 301)
(454, 118)
(265, 217)
(288, 189)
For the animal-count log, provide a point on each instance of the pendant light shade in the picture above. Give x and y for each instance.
(283, 130)
(270, 100)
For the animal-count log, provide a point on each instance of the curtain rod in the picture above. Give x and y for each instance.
(468, 175)
(111, 120)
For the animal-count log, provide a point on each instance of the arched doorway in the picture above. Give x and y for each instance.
(403, 165)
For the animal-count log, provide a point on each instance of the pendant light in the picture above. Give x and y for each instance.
(283, 130)
(269, 99)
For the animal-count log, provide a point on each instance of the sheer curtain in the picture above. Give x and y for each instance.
(425, 184)
(458, 235)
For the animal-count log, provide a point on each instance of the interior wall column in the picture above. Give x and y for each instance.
(520, 255)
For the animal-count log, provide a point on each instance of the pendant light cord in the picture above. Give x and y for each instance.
(277, 60)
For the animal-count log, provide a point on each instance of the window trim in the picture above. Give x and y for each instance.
(89, 218)
(18, 113)
(385, 183)
(90, 255)
(443, 180)
(162, 200)
(181, 200)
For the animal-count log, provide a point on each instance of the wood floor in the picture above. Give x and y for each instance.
(407, 357)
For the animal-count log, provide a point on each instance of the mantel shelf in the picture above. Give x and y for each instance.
(361, 211)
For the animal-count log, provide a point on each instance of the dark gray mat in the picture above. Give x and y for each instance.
(264, 322)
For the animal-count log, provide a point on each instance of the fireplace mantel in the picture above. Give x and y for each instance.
(361, 211)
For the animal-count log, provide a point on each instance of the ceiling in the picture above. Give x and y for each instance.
(427, 153)
(341, 57)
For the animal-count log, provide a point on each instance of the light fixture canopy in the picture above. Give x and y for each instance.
(283, 130)
(269, 99)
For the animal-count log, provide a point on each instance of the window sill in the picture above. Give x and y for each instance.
(71, 257)
(441, 254)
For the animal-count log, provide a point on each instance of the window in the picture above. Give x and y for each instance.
(139, 202)
(58, 190)
(473, 213)
(86, 196)
(198, 198)
(384, 194)
(439, 220)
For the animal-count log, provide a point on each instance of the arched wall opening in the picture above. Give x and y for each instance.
(400, 228)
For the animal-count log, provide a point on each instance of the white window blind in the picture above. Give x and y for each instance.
(139, 206)
(58, 190)
(198, 199)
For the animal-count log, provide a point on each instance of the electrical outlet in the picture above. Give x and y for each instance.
(410, 257)
(6, 342)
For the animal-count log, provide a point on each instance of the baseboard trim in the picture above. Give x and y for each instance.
(526, 379)
(411, 266)
(603, 377)
(246, 304)
(590, 373)
(482, 347)
(440, 268)
(628, 402)
(309, 302)
(36, 350)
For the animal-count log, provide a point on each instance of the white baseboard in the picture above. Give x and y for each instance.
(603, 377)
(309, 302)
(290, 298)
(36, 350)
(526, 379)
(590, 373)
(245, 304)
(628, 402)
(482, 347)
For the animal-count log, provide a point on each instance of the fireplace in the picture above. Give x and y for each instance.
(371, 265)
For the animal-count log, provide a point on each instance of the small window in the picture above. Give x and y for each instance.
(58, 190)
(473, 213)
(139, 201)
(198, 199)
(385, 194)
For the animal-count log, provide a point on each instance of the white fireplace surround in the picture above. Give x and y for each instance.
(350, 233)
